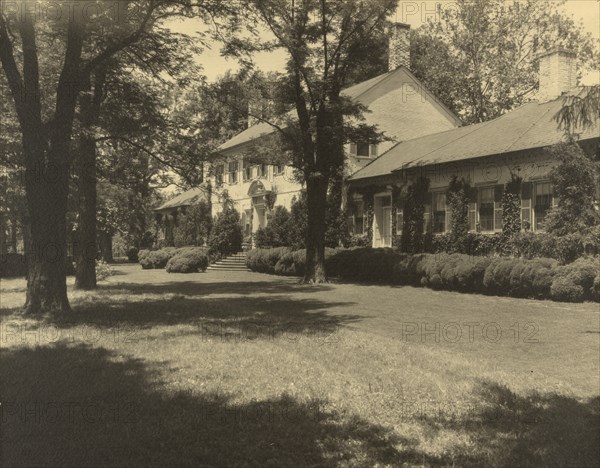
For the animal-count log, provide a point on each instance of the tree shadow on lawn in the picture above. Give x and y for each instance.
(83, 406)
(246, 317)
(197, 288)
(539, 429)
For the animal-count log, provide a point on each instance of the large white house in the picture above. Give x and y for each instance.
(398, 104)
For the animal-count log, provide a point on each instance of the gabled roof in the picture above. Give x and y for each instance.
(184, 199)
(531, 125)
(355, 93)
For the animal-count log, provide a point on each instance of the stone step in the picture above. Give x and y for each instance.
(228, 268)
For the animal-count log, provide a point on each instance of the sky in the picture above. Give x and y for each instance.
(414, 13)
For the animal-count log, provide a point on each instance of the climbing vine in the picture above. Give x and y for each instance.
(511, 207)
(414, 210)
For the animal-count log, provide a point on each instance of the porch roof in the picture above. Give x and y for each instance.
(530, 126)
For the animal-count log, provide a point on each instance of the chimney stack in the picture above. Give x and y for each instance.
(399, 51)
(558, 73)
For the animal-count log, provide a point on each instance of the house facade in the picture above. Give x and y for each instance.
(398, 104)
(485, 154)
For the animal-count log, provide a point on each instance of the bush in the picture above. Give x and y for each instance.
(156, 259)
(264, 260)
(188, 260)
(363, 263)
(193, 225)
(226, 235)
(132, 254)
(277, 232)
(358, 240)
(103, 270)
(575, 282)
(294, 263)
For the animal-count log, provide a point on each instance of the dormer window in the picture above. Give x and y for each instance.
(363, 149)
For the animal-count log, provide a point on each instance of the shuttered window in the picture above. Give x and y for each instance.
(543, 203)
(439, 213)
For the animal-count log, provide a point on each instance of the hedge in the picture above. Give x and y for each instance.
(539, 278)
(188, 260)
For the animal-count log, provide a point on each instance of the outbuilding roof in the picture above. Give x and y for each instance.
(531, 125)
(184, 199)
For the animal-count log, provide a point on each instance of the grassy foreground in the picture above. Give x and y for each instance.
(244, 369)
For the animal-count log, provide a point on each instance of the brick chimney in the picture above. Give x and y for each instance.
(558, 73)
(399, 51)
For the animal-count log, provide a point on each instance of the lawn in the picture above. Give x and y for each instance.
(245, 369)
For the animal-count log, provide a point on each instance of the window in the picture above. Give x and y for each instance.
(439, 213)
(399, 221)
(232, 170)
(358, 220)
(247, 170)
(219, 174)
(543, 203)
(427, 218)
(246, 218)
(263, 170)
(278, 169)
(486, 208)
(363, 150)
(472, 216)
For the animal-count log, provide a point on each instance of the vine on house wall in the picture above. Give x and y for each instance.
(398, 199)
(369, 213)
(412, 240)
(458, 200)
(511, 206)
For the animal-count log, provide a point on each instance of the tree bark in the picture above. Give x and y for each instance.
(316, 192)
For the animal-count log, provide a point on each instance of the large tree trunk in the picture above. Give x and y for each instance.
(316, 192)
(85, 254)
(46, 279)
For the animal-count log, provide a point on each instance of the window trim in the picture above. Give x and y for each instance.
(533, 214)
(432, 213)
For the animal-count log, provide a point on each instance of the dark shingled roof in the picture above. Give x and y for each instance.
(531, 125)
(184, 199)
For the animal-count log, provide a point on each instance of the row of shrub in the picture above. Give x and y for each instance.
(538, 278)
(175, 260)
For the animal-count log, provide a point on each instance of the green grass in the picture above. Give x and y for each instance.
(244, 369)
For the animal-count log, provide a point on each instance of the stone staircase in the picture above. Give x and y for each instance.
(235, 262)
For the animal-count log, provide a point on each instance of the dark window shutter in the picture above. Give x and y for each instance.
(353, 149)
(498, 191)
(526, 189)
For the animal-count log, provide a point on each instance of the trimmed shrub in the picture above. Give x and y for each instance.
(264, 260)
(132, 254)
(226, 236)
(277, 232)
(294, 263)
(156, 259)
(363, 264)
(575, 282)
(188, 260)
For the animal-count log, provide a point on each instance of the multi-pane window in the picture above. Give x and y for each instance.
(486, 208)
(247, 170)
(232, 171)
(263, 170)
(439, 212)
(278, 169)
(363, 149)
(542, 204)
(359, 218)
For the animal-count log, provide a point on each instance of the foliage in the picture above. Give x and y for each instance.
(299, 222)
(480, 58)
(132, 254)
(358, 240)
(458, 201)
(156, 259)
(575, 282)
(294, 263)
(188, 260)
(193, 226)
(414, 209)
(13, 265)
(264, 260)
(226, 235)
(580, 111)
(278, 231)
(511, 206)
(103, 270)
(574, 182)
